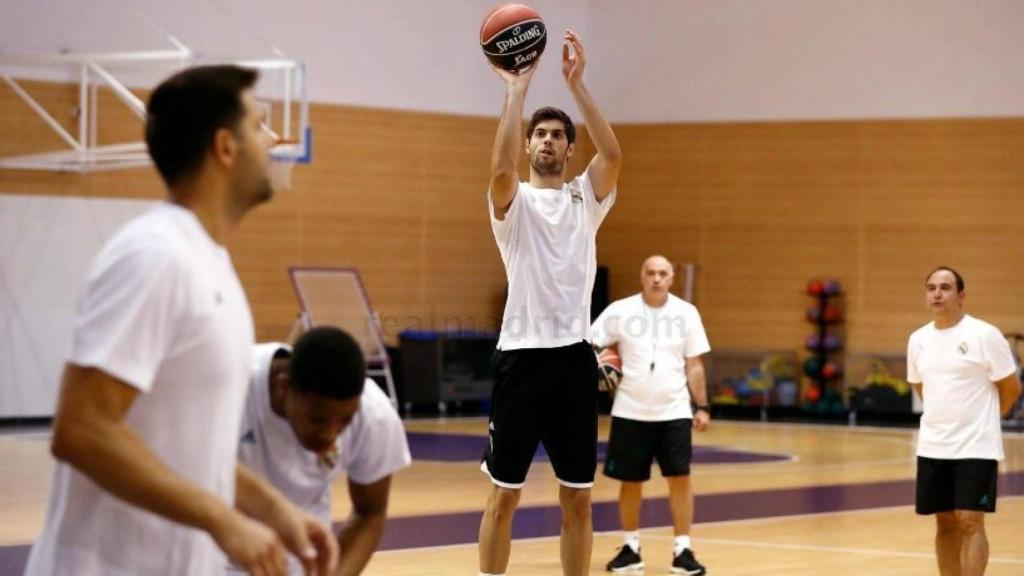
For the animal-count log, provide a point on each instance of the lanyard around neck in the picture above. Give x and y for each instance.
(654, 332)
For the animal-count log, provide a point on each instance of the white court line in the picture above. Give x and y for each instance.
(811, 547)
(30, 436)
(745, 543)
(458, 546)
(767, 519)
(836, 549)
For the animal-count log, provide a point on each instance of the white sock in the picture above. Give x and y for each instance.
(681, 543)
(632, 539)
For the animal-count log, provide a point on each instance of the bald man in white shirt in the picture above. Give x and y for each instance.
(661, 340)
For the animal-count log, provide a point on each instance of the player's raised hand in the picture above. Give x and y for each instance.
(516, 80)
(574, 59)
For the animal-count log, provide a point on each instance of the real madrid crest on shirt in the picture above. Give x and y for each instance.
(962, 348)
(329, 459)
(576, 194)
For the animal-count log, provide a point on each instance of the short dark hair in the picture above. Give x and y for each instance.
(552, 113)
(329, 362)
(959, 278)
(187, 109)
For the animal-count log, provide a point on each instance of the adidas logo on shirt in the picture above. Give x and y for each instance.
(249, 438)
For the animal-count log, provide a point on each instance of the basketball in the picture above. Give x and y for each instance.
(609, 370)
(513, 36)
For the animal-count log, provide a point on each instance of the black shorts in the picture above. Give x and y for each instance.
(634, 445)
(548, 396)
(947, 485)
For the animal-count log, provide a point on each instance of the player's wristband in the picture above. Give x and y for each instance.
(705, 408)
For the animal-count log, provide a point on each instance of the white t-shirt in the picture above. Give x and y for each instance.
(654, 344)
(957, 368)
(547, 243)
(371, 447)
(164, 312)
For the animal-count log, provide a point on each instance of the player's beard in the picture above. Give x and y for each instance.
(547, 166)
(252, 185)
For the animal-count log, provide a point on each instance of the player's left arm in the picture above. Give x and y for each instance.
(603, 170)
(361, 532)
(697, 382)
(1009, 390)
(996, 350)
(302, 533)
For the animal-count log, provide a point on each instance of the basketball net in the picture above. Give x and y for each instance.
(280, 173)
(282, 161)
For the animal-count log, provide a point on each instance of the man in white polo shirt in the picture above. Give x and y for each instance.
(964, 372)
(152, 395)
(311, 416)
(544, 368)
(660, 339)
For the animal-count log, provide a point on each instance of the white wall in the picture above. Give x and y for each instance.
(802, 59)
(650, 60)
(420, 55)
(46, 246)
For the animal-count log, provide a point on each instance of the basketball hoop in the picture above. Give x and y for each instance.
(283, 157)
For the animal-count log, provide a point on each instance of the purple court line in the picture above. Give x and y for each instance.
(538, 521)
(469, 448)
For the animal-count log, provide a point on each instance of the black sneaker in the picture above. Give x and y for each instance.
(625, 561)
(685, 563)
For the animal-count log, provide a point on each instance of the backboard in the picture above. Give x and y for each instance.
(114, 52)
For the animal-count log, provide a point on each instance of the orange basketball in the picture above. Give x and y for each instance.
(513, 36)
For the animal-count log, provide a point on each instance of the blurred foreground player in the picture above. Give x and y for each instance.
(152, 395)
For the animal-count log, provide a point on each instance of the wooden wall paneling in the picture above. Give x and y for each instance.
(760, 207)
(865, 202)
(28, 134)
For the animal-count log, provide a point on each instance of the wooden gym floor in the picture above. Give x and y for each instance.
(771, 499)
